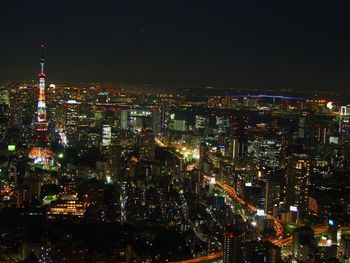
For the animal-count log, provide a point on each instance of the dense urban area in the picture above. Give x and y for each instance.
(96, 172)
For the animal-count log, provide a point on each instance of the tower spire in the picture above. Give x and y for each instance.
(42, 61)
(42, 51)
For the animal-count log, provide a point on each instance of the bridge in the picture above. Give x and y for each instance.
(264, 96)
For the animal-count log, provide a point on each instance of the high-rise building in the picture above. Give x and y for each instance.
(124, 115)
(234, 148)
(303, 246)
(163, 117)
(116, 162)
(106, 135)
(345, 248)
(201, 122)
(179, 125)
(156, 121)
(272, 195)
(297, 185)
(222, 123)
(17, 171)
(4, 97)
(232, 245)
(203, 152)
(307, 128)
(71, 120)
(239, 137)
(146, 145)
(267, 151)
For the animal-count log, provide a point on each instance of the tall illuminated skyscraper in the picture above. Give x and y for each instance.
(298, 176)
(41, 153)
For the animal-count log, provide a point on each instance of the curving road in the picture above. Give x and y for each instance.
(233, 194)
(276, 239)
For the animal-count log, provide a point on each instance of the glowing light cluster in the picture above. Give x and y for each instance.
(67, 205)
(43, 157)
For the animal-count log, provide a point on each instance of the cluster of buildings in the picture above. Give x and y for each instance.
(99, 154)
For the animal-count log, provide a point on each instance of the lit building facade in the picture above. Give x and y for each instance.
(297, 185)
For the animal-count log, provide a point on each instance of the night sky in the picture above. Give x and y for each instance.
(246, 44)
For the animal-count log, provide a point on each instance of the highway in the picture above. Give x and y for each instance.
(233, 194)
(276, 239)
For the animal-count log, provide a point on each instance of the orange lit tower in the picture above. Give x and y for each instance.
(42, 153)
(41, 110)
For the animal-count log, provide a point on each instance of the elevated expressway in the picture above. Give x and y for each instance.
(233, 194)
(276, 239)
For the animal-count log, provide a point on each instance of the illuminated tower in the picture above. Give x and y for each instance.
(41, 121)
(41, 152)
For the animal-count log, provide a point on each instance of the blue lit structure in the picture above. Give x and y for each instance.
(263, 96)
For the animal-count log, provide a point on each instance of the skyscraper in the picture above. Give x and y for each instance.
(303, 247)
(124, 115)
(272, 194)
(232, 245)
(298, 176)
(156, 120)
(106, 135)
(146, 145)
(71, 120)
(239, 139)
(307, 128)
(116, 162)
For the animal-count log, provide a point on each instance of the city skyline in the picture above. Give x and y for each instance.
(174, 132)
(225, 174)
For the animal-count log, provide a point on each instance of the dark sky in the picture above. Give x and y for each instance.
(247, 44)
